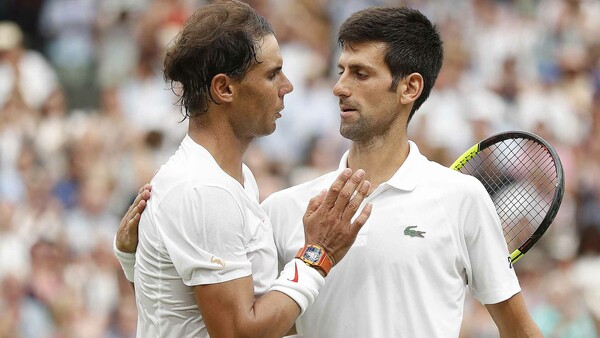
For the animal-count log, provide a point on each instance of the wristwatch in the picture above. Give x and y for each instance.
(316, 257)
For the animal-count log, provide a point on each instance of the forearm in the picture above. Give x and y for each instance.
(231, 314)
(272, 315)
(234, 311)
(533, 333)
(513, 319)
(523, 327)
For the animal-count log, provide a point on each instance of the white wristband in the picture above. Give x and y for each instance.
(300, 282)
(126, 259)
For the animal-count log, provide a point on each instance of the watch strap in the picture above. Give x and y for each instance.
(324, 263)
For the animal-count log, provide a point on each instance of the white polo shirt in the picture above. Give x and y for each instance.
(432, 231)
(200, 226)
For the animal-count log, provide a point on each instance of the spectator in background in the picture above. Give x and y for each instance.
(26, 83)
(68, 26)
(91, 222)
(26, 14)
(117, 49)
(14, 252)
(26, 78)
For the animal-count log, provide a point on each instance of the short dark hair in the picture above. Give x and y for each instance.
(413, 43)
(219, 38)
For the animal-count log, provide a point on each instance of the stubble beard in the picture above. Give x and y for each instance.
(364, 130)
(356, 132)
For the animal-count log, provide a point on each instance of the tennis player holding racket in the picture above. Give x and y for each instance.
(433, 231)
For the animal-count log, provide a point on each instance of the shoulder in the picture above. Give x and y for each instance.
(197, 194)
(184, 174)
(450, 181)
(199, 191)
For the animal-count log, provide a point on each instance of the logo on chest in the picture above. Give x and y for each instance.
(410, 231)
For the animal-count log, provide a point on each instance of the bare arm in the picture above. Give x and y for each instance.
(513, 319)
(229, 309)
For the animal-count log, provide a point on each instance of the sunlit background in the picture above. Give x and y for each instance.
(86, 119)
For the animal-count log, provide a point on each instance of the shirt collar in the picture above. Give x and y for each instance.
(407, 176)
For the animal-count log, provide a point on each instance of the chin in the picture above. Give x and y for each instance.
(351, 134)
(268, 131)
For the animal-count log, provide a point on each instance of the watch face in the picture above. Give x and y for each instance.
(313, 254)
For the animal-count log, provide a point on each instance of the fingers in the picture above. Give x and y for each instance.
(361, 219)
(134, 222)
(348, 190)
(353, 205)
(139, 209)
(143, 202)
(146, 186)
(336, 188)
(143, 196)
(314, 203)
(127, 234)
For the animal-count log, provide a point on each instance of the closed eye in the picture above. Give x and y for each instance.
(361, 76)
(274, 73)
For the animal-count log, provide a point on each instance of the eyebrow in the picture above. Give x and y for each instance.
(357, 66)
(274, 69)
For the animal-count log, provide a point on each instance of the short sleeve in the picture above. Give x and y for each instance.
(203, 231)
(491, 276)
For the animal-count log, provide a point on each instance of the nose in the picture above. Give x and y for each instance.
(341, 89)
(286, 87)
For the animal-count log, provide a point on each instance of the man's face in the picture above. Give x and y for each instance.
(260, 93)
(368, 107)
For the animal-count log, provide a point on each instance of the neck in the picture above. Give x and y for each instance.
(380, 158)
(221, 142)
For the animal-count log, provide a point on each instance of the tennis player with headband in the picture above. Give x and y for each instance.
(206, 263)
(433, 231)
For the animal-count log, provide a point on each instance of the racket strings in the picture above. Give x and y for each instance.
(520, 176)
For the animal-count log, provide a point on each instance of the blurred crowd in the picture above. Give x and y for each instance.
(86, 119)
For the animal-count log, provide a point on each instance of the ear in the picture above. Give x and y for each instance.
(410, 88)
(221, 89)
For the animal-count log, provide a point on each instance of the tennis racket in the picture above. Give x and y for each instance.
(524, 177)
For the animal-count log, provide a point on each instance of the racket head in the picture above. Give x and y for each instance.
(524, 177)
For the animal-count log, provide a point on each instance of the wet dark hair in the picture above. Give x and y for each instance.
(219, 38)
(413, 43)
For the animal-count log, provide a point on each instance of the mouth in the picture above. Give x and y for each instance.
(346, 111)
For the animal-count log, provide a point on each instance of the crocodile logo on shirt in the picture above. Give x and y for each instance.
(413, 233)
